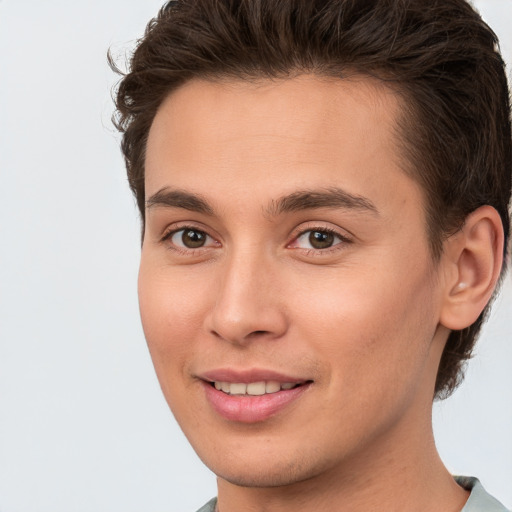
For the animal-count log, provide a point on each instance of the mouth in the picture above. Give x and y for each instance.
(254, 388)
(251, 396)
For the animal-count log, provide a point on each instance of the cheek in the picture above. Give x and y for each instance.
(171, 306)
(375, 326)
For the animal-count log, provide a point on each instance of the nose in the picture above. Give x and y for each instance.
(248, 304)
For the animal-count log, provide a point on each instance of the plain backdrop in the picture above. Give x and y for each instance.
(83, 425)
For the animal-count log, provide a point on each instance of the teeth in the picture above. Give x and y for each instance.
(272, 386)
(253, 388)
(256, 388)
(237, 389)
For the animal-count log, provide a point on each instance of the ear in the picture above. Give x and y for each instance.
(472, 260)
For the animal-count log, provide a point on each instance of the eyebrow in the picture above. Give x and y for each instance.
(172, 198)
(332, 197)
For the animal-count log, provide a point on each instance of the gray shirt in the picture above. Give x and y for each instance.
(479, 500)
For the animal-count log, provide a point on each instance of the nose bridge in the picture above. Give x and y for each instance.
(247, 303)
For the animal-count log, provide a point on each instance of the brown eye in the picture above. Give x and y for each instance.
(193, 239)
(321, 239)
(190, 238)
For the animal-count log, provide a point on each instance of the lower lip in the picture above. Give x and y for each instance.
(251, 409)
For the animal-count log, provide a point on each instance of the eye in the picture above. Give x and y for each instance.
(318, 239)
(189, 238)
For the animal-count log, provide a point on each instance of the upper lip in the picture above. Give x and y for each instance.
(247, 376)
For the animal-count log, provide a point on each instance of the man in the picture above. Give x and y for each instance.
(324, 189)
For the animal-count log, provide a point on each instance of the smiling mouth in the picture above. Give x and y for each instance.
(254, 388)
(244, 398)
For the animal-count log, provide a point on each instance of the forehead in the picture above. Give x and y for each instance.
(319, 95)
(277, 135)
(310, 108)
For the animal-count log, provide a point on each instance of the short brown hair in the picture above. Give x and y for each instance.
(438, 55)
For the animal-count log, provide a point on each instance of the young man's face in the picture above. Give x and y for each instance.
(285, 248)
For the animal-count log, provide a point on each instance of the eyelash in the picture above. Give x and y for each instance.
(187, 251)
(343, 240)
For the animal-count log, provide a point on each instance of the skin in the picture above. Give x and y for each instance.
(361, 320)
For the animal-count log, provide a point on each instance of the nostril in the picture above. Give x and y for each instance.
(253, 334)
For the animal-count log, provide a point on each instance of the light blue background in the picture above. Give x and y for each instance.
(83, 425)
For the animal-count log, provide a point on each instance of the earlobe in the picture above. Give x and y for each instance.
(474, 256)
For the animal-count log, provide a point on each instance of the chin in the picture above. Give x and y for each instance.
(265, 474)
(262, 479)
